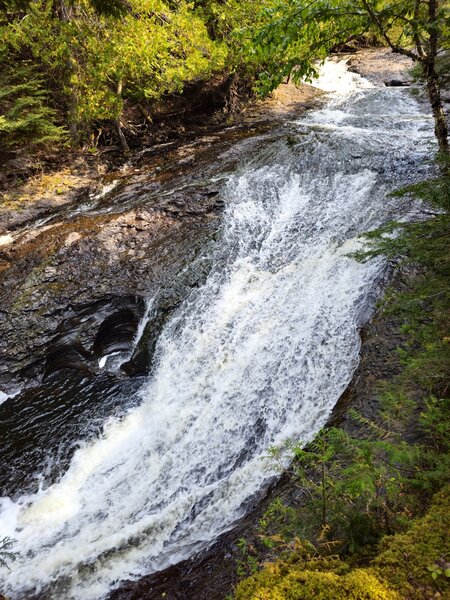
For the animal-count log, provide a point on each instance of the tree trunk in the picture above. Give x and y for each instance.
(123, 141)
(64, 12)
(440, 120)
(324, 497)
(432, 79)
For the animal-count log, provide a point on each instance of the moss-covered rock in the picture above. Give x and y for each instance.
(405, 559)
(400, 571)
(298, 583)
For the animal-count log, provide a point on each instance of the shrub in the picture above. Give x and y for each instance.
(26, 120)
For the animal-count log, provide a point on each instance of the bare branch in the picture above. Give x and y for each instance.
(394, 47)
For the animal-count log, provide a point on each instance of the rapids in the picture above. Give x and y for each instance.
(258, 354)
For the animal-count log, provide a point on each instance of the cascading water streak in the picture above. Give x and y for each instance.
(259, 354)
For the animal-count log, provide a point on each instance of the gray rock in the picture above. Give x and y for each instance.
(397, 83)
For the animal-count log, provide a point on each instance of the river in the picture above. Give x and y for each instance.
(258, 354)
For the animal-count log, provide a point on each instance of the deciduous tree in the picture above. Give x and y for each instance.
(302, 31)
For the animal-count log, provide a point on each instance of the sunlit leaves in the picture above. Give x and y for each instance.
(109, 51)
(300, 33)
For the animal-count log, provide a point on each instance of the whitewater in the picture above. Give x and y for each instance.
(259, 354)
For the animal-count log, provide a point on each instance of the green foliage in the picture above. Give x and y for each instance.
(235, 23)
(6, 555)
(424, 309)
(249, 563)
(423, 241)
(298, 34)
(405, 559)
(26, 119)
(353, 489)
(92, 57)
(305, 575)
(97, 61)
(437, 569)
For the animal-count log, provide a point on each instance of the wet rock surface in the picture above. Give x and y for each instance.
(62, 275)
(64, 269)
(382, 66)
(65, 292)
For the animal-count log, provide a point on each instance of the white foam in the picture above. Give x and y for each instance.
(4, 396)
(105, 190)
(335, 77)
(9, 512)
(6, 239)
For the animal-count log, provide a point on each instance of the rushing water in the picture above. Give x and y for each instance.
(260, 353)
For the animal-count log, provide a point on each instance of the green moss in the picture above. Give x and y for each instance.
(295, 582)
(405, 559)
(400, 571)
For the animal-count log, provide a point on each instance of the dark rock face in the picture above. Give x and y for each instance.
(115, 333)
(66, 355)
(140, 362)
(397, 83)
(73, 293)
(76, 291)
(115, 319)
(73, 282)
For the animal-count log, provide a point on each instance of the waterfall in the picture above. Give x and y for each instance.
(260, 353)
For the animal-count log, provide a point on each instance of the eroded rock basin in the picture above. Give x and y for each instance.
(61, 280)
(74, 291)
